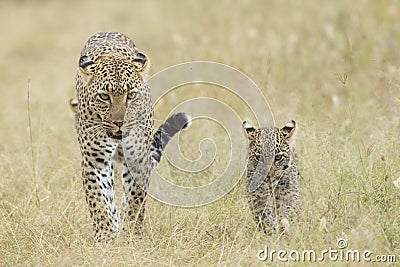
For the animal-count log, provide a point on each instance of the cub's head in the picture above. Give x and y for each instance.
(271, 148)
(108, 84)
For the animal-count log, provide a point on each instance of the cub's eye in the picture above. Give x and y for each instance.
(131, 95)
(278, 157)
(104, 96)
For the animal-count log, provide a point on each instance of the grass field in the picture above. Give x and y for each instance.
(333, 66)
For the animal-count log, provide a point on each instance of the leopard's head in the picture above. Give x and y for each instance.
(109, 86)
(271, 148)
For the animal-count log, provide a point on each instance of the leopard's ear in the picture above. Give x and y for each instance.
(85, 64)
(289, 129)
(140, 61)
(73, 105)
(248, 128)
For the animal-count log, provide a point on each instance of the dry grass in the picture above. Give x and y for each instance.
(333, 66)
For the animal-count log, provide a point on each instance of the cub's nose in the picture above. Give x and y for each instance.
(118, 123)
(285, 167)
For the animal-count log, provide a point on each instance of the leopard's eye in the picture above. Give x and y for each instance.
(278, 157)
(104, 96)
(132, 95)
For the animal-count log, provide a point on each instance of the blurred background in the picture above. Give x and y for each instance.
(308, 57)
(333, 66)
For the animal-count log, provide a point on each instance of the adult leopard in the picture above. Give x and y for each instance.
(114, 122)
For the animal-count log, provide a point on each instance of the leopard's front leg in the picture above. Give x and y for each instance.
(135, 180)
(134, 198)
(98, 183)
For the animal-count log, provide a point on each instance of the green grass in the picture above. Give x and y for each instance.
(333, 66)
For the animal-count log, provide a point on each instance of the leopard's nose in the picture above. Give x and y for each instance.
(118, 123)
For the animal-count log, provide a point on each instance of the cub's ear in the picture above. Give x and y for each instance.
(73, 105)
(248, 128)
(289, 129)
(140, 61)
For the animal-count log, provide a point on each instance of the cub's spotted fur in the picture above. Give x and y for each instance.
(273, 190)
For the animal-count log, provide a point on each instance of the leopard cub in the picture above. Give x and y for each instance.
(273, 190)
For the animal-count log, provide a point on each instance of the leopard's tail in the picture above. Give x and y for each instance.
(165, 132)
